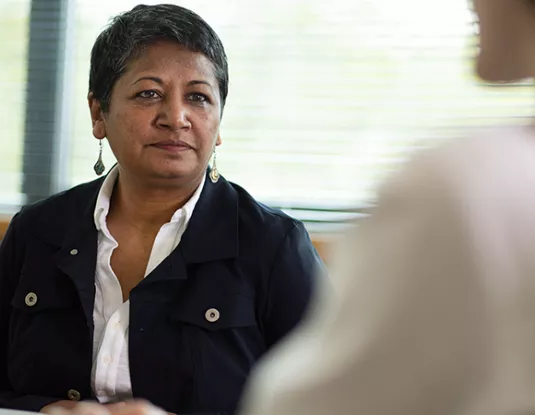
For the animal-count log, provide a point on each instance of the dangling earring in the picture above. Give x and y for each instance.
(99, 165)
(214, 174)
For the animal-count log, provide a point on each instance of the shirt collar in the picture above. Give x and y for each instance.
(102, 206)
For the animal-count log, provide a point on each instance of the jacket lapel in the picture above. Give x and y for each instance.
(78, 242)
(212, 233)
(77, 259)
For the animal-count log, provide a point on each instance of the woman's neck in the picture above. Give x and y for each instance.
(147, 207)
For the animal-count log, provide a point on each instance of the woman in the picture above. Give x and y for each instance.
(436, 314)
(162, 281)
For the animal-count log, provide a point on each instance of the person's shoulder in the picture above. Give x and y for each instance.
(261, 218)
(465, 166)
(62, 204)
(481, 147)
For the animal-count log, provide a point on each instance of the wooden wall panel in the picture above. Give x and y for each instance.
(4, 222)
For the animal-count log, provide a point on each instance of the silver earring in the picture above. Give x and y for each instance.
(214, 173)
(99, 165)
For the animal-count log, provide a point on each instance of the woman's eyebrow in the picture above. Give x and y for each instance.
(160, 81)
(149, 78)
(200, 82)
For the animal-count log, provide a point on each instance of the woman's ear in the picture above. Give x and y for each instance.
(97, 118)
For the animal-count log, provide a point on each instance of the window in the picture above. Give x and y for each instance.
(13, 26)
(325, 97)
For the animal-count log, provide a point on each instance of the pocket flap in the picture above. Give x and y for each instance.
(45, 292)
(218, 312)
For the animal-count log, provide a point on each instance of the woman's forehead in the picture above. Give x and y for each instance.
(172, 58)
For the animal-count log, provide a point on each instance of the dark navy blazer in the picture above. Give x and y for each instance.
(253, 264)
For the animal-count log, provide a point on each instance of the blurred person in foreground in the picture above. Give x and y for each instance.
(436, 307)
(162, 280)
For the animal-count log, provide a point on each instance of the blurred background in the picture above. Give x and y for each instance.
(326, 97)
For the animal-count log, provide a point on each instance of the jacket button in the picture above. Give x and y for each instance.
(212, 315)
(74, 252)
(73, 395)
(30, 299)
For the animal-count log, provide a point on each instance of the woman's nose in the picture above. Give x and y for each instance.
(174, 116)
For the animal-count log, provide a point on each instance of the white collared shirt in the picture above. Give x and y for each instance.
(110, 377)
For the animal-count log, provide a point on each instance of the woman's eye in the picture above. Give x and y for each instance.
(150, 94)
(198, 97)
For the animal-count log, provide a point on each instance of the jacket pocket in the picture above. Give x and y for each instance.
(41, 291)
(216, 311)
(47, 333)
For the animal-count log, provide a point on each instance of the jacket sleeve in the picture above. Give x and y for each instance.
(404, 332)
(11, 254)
(291, 283)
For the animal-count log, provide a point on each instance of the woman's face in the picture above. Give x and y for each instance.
(164, 115)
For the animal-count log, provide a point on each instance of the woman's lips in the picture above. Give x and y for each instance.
(172, 146)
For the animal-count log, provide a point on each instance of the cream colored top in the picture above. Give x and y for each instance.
(435, 305)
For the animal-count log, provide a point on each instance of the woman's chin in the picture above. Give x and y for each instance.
(174, 173)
